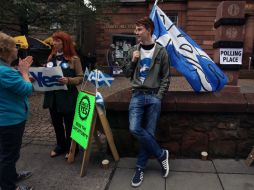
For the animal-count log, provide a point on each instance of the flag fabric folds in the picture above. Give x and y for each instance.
(99, 100)
(86, 73)
(186, 56)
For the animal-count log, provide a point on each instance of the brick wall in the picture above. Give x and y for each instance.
(219, 123)
(195, 17)
(199, 23)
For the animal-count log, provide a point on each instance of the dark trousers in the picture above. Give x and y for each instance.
(10, 144)
(62, 123)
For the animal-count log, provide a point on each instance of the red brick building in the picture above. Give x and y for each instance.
(195, 17)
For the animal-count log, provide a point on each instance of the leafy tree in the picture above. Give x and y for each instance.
(21, 15)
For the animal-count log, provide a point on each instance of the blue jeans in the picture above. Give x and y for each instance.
(144, 112)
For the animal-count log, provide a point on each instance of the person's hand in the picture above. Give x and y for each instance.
(135, 56)
(63, 80)
(24, 64)
(23, 67)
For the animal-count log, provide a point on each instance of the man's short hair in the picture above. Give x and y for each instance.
(146, 22)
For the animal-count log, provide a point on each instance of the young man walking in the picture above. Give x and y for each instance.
(148, 67)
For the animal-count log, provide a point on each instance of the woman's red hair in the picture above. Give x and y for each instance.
(68, 47)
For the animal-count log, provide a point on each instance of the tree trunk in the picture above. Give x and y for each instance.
(24, 28)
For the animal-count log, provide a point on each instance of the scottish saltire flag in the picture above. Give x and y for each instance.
(86, 73)
(98, 78)
(99, 99)
(186, 56)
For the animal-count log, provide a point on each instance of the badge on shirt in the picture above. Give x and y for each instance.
(50, 64)
(65, 65)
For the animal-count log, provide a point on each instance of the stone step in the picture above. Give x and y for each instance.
(246, 74)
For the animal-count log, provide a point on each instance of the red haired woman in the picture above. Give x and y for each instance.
(61, 103)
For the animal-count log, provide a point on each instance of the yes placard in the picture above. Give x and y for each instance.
(46, 79)
(83, 118)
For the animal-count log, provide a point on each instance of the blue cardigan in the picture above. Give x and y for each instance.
(14, 92)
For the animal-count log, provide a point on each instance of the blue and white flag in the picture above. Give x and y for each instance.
(98, 78)
(100, 102)
(186, 56)
(86, 73)
(99, 99)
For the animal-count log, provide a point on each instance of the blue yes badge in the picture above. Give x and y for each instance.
(64, 65)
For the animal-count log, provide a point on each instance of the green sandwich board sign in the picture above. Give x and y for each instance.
(83, 118)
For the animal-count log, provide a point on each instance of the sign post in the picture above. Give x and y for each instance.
(249, 160)
(84, 129)
(107, 131)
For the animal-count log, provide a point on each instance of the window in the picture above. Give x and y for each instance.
(122, 44)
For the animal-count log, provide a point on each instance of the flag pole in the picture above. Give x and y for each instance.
(153, 9)
(155, 3)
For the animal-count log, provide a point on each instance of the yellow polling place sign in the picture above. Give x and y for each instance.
(83, 118)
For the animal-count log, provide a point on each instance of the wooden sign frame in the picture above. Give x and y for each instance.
(249, 160)
(93, 133)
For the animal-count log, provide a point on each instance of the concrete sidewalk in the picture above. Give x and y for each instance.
(185, 174)
(57, 174)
